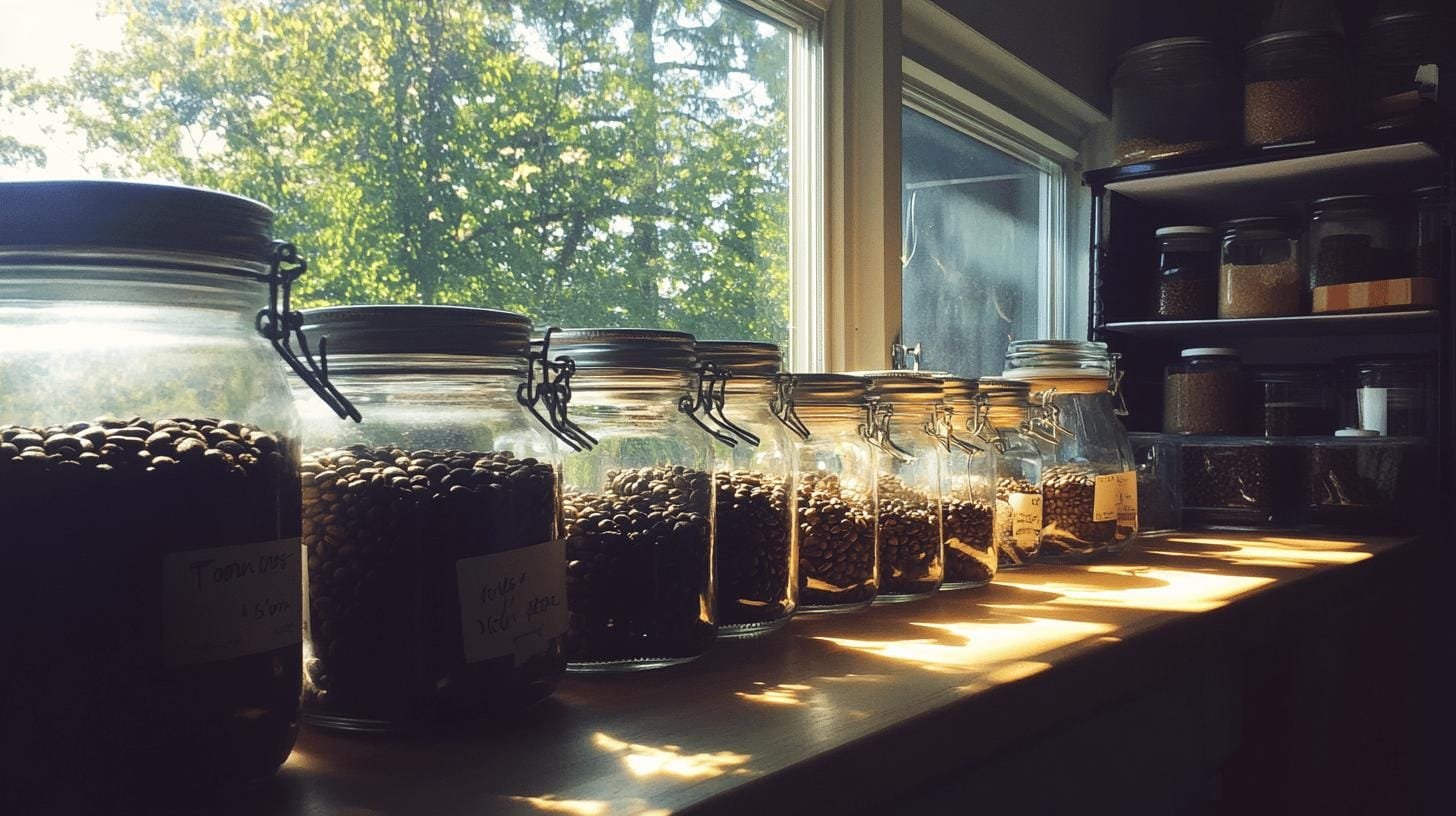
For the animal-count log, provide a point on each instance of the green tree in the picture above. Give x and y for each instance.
(18, 92)
(590, 162)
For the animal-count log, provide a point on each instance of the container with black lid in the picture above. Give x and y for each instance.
(1293, 87)
(1172, 97)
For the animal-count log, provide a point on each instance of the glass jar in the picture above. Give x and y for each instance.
(1202, 393)
(638, 506)
(1289, 401)
(757, 521)
(1359, 480)
(1172, 97)
(1259, 275)
(1017, 438)
(1350, 242)
(1159, 482)
(1430, 245)
(838, 559)
(1398, 66)
(1394, 395)
(1293, 87)
(148, 461)
(1089, 480)
(970, 491)
(436, 572)
(1238, 481)
(1187, 273)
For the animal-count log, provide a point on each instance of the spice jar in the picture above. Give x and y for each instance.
(1172, 97)
(1007, 425)
(1359, 480)
(908, 520)
(970, 491)
(1394, 395)
(1399, 64)
(1202, 392)
(1187, 273)
(1259, 275)
(838, 559)
(1431, 241)
(1293, 87)
(638, 505)
(1159, 482)
(757, 520)
(436, 572)
(148, 459)
(1289, 401)
(1089, 480)
(1350, 242)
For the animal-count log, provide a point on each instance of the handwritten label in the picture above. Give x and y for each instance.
(1025, 519)
(512, 603)
(1127, 499)
(226, 602)
(1106, 496)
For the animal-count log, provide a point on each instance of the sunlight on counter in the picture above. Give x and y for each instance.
(589, 807)
(780, 694)
(1155, 588)
(669, 760)
(1271, 551)
(972, 645)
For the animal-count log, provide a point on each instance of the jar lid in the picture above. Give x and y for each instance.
(829, 389)
(1156, 48)
(1190, 229)
(899, 385)
(1001, 391)
(1432, 190)
(1323, 37)
(1273, 222)
(958, 389)
(135, 216)
(408, 329)
(1356, 433)
(1057, 359)
(1210, 351)
(742, 358)
(1344, 201)
(1300, 374)
(650, 349)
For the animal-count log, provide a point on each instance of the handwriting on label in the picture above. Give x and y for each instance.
(225, 602)
(1025, 519)
(512, 603)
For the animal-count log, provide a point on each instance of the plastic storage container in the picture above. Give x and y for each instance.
(1159, 482)
(1289, 401)
(1187, 273)
(638, 506)
(1351, 241)
(1293, 87)
(1394, 395)
(1398, 66)
(911, 464)
(436, 572)
(1172, 97)
(1431, 241)
(1259, 271)
(1007, 425)
(1358, 480)
(1237, 481)
(970, 491)
(1203, 392)
(757, 529)
(838, 559)
(150, 472)
(1088, 480)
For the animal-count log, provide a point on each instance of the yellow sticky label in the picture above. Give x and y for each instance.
(1106, 496)
(1025, 519)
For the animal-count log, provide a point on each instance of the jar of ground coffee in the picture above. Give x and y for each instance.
(153, 583)
(756, 522)
(970, 490)
(1351, 240)
(436, 572)
(1017, 439)
(1203, 392)
(1187, 273)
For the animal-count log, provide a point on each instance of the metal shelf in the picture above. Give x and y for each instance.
(1422, 320)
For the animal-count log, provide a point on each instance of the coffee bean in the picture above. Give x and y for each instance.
(1068, 492)
(836, 544)
(754, 548)
(911, 554)
(1015, 550)
(970, 547)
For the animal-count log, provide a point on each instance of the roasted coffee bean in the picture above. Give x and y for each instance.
(754, 548)
(1068, 492)
(836, 544)
(384, 600)
(911, 555)
(970, 548)
(1017, 540)
(638, 566)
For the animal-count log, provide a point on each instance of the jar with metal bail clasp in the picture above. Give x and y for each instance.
(756, 529)
(436, 571)
(1089, 479)
(149, 470)
(637, 506)
(970, 490)
(1006, 424)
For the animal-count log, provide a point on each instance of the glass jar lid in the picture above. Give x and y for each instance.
(900, 386)
(829, 389)
(415, 330)
(1157, 56)
(1343, 202)
(1000, 391)
(1058, 359)
(1321, 42)
(959, 391)
(1210, 351)
(1183, 229)
(741, 358)
(626, 349)
(1255, 224)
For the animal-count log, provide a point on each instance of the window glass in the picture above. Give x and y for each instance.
(612, 163)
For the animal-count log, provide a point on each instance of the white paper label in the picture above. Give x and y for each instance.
(512, 603)
(227, 602)
(1127, 500)
(1373, 413)
(1106, 496)
(1025, 520)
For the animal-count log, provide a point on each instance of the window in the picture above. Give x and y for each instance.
(605, 163)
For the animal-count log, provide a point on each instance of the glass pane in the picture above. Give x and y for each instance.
(971, 248)
(593, 164)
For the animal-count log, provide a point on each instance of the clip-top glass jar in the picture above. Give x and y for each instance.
(1172, 97)
(970, 490)
(911, 466)
(150, 473)
(838, 559)
(638, 506)
(1293, 87)
(1089, 482)
(436, 572)
(756, 527)
(1018, 439)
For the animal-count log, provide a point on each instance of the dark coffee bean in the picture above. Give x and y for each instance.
(1068, 492)
(754, 548)
(25, 439)
(1015, 550)
(836, 544)
(911, 555)
(970, 545)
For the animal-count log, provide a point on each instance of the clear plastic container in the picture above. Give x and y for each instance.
(436, 572)
(1430, 244)
(1351, 241)
(1394, 395)
(1203, 392)
(1237, 481)
(970, 491)
(1398, 66)
(1089, 479)
(1187, 273)
(1159, 482)
(1172, 97)
(1359, 480)
(838, 559)
(1289, 401)
(1007, 425)
(1259, 272)
(149, 463)
(757, 518)
(1293, 87)
(638, 506)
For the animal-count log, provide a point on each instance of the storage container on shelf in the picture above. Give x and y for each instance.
(1236, 481)
(1289, 401)
(970, 490)
(1172, 97)
(638, 505)
(1259, 269)
(148, 458)
(1430, 239)
(1159, 482)
(756, 524)
(1358, 480)
(837, 467)
(436, 571)
(1293, 87)
(1398, 66)
(1393, 394)
(1203, 392)
(1187, 273)
(908, 519)
(1006, 423)
(1351, 240)
(1089, 480)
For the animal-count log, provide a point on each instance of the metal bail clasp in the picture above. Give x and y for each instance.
(1114, 386)
(691, 404)
(1048, 426)
(942, 426)
(980, 427)
(782, 405)
(281, 324)
(879, 432)
(554, 391)
(718, 398)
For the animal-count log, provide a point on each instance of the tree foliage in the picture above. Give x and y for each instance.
(590, 162)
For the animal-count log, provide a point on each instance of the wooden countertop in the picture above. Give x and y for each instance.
(838, 711)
